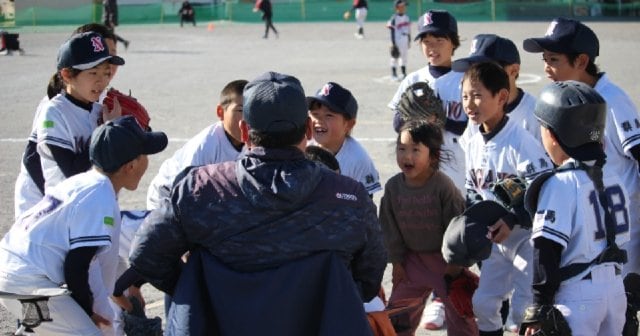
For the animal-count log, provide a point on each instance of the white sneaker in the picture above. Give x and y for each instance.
(358, 36)
(433, 315)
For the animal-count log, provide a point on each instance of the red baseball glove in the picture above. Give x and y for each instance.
(129, 106)
(460, 291)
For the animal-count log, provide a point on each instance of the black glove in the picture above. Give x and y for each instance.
(394, 51)
(548, 318)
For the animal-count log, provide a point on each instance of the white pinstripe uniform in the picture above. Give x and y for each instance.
(570, 214)
(512, 151)
(81, 211)
(211, 145)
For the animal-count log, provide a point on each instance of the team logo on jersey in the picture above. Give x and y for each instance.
(427, 19)
(108, 221)
(326, 90)
(546, 216)
(96, 41)
(551, 28)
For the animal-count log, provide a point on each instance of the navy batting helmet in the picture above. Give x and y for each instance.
(574, 111)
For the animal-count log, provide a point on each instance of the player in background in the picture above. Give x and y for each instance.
(360, 8)
(501, 149)
(569, 49)
(267, 16)
(413, 225)
(333, 111)
(519, 109)
(72, 234)
(58, 145)
(400, 28)
(581, 215)
(216, 143)
(110, 19)
(438, 36)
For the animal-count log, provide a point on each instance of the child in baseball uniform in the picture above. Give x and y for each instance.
(519, 109)
(569, 49)
(501, 149)
(216, 143)
(416, 209)
(400, 27)
(59, 141)
(581, 217)
(333, 111)
(71, 235)
(438, 37)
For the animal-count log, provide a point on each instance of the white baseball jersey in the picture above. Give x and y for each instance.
(356, 163)
(81, 211)
(522, 114)
(511, 152)
(420, 75)
(569, 213)
(58, 122)
(622, 132)
(211, 145)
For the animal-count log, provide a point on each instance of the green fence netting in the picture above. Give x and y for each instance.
(75, 12)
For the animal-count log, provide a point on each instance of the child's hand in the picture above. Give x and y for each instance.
(123, 302)
(114, 113)
(398, 274)
(100, 321)
(499, 231)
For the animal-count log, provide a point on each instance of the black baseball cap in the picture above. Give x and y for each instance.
(565, 36)
(337, 99)
(85, 51)
(488, 47)
(274, 102)
(436, 22)
(400, 2)
(465, 241)
(121, 140)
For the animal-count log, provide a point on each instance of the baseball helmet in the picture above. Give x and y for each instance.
(574, 111)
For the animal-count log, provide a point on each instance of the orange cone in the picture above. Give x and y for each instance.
(210, 27)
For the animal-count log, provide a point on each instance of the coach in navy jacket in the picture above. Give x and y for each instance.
(269, 208)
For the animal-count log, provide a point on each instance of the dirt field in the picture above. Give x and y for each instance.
(178, 73)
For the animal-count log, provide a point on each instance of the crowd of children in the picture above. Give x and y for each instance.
(582, 173)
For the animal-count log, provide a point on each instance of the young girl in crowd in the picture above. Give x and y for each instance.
(416, 209)
(58, 146)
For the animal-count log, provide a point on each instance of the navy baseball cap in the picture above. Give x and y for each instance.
(488, 47)
(565, 36)
(337, 99)
(121, 140)
(274, 102)
(401, 2)
(85, 51)
(465, 241)
(436, 22)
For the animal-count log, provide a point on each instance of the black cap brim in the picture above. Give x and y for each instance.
(431, 30)
(116, 60)
(540, 44)
(326, 102)
(463, 64)
(154, 142)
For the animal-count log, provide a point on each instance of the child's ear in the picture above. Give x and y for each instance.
(503, 95)
(350, 124)
(220, 112)
(66, 74)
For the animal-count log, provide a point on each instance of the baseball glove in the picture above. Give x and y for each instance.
(548, 318)
(460, 291)
(346, 15)
(394, 51)
(510, 192)
(129, 106)
(419, 102)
